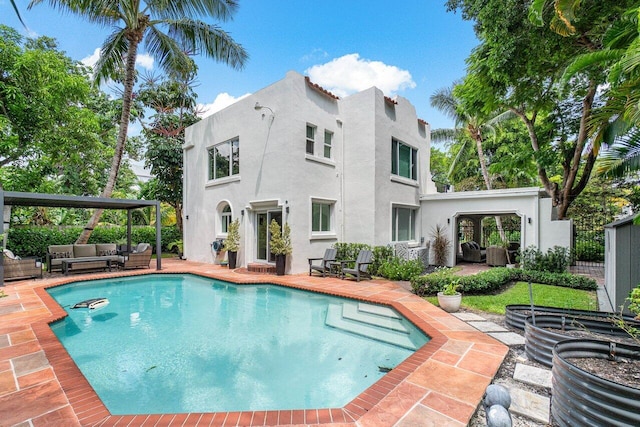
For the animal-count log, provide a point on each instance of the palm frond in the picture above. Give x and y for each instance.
(623, 158)
(443, 100)
(196, 36)
(111, 63)
(588, 59)
(444, 135)
(220, 10)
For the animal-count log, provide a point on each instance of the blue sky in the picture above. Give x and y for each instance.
(409, 48)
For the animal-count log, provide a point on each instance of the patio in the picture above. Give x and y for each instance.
(440, 385)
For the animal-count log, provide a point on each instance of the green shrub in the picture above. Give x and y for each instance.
(33, 241)
(349, 251)
(589, 251)
(380, 255)
(400, 269)
(491, 280)
(556, 260)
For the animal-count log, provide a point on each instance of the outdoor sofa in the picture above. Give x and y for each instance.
(87, 256)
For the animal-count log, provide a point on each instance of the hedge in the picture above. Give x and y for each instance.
(490, 281)
(33, 241)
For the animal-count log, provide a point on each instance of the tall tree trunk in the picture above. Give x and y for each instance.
(477, 136)
(121, 140)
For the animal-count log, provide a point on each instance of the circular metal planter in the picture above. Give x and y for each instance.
(549, 330)
(580, 398)
(516, 314)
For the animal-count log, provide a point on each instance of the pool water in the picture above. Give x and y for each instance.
(183, 343)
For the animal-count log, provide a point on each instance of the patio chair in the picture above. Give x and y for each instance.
(324, 267)
(21, 268)
(472, 252)
(140, 257)
(361, 268)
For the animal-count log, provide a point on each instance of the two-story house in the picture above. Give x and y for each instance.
(336, 170)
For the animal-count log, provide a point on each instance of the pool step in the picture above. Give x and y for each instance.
(379, 323)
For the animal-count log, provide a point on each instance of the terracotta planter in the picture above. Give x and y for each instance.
(449, 303)
(233, 257)
(281, 263)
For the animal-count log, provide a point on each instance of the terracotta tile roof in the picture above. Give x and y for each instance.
(320, 89)
(423, 122)
(390, 101)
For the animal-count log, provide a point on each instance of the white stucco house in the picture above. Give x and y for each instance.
(354, 169)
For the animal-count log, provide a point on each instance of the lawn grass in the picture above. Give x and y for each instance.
(518, 293)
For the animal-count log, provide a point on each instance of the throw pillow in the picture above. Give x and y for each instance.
(55, 255)
(107, 252)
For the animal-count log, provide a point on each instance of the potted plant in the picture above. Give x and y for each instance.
(280, 244)
(232, 242)
(449, 299)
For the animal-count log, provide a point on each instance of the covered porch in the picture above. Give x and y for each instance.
(526, 214)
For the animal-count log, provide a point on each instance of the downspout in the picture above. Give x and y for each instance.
(342, 161)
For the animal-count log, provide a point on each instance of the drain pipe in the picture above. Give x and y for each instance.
(342, 214)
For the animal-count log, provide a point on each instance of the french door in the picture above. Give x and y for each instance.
(263, 220)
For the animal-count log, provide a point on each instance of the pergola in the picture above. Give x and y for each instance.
(14, 198)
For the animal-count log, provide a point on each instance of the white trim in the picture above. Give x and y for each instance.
(220, 181)
(323, 160)
(264, 204)
(405, 181)
(483, 194)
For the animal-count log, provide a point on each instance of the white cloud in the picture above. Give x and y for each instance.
(315, 55)
(350, 73)
(91, 60)
(144, 60)
(222, 101)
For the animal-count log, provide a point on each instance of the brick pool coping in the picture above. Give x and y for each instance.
(440, 384)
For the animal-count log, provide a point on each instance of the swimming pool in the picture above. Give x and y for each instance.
(173, 343)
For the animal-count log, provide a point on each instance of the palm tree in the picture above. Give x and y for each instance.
(468, 127)
(171, 31)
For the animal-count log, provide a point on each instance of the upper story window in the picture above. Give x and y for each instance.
(224, 159)
(403, 224)
(311, 138)
(328, 138)
(225, 219)
(404, 160)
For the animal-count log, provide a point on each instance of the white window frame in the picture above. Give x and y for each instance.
(394, 222)
(330, 233)
(328, 136)
(225, 219)
(311, 140)
(212, 167)
(396, 145)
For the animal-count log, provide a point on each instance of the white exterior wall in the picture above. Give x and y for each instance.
(553, 232)
(276, 172)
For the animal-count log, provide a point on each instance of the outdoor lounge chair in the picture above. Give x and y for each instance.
(361, 268)
(324, 267)
(472, 252)
(21, 268)
(140, 257)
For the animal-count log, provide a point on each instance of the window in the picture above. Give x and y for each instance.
(311, 138)
(224, 159)
(320, 216)
(328, 137)
(225, 218)
(403, 160)
(403, 224)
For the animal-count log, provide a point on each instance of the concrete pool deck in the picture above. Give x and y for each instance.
(441, 384)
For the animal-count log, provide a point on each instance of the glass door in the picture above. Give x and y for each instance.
(263, 237)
